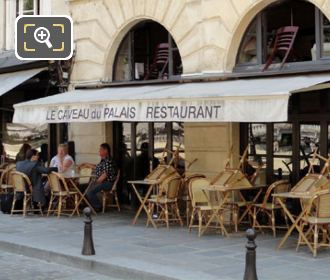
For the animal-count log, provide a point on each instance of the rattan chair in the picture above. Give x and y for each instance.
(166, 201)
(86, 172)
(317, 219)
(6, 178)
(110, 198)
(184, 194)
(22, 185)
(231, 178)
(60, 192)
(269, 206)
(203, 208)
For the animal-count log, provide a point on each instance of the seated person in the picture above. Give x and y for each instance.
(106, 172)
(63, 161)
(32, 167)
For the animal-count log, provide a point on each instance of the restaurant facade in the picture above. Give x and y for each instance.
(199, 75)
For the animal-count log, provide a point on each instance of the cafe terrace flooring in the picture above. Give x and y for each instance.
(124, 251)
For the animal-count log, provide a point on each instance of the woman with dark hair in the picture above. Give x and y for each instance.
(22, 152)
(106, 172)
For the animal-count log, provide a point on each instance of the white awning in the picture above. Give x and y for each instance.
(243, 100)
(8, 81)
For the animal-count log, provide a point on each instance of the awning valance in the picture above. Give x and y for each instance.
(8, 81)
(244, 100)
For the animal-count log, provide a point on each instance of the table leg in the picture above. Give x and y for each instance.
(82, 198)
(249, 205)
(215, 213)
(143, 206)
(293, 226)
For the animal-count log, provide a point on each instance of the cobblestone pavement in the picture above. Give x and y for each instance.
(16, 267)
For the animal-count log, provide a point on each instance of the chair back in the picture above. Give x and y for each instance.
(280, 186)
(285, 37)
(184, 187)
(85, 171)
(197, 195)
(6, 177)
(115, 183)
(57, 183)
(231, 178)
(311, 183)
(171, 186)
(20, 182)
(161, 172)
(323, 206)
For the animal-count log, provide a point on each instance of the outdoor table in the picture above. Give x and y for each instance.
(71, 179)
(227, 190)
(294, 195)
(150, 184)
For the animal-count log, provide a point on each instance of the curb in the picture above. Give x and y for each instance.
(82, 263)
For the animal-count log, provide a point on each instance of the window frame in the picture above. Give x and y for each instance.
(260, 37)
(130, 37)
(20, 8)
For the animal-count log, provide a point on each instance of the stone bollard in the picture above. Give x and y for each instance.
(250, 260)
(88, 246)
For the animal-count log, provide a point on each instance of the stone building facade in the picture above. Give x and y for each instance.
(208, 34)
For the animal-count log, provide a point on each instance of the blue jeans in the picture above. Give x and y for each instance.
(94, 190)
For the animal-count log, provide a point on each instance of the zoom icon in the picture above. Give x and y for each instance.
(43, 38)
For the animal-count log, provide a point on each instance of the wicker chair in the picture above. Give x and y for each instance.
(111, 196)
(184, 194)
(231, 178)
(22, 185)
(60, 191)
(202, 208)
(317, 219)
(270, 205)
(6, 178)
(85, 171)
(167, 201)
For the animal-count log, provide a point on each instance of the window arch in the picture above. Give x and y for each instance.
(310, 46)
(148, 52)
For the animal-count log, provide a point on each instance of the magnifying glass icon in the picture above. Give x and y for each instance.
(41, 35)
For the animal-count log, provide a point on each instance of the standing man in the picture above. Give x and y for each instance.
(106, 172)
(32, 167)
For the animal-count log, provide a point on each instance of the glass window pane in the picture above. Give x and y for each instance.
(127, 137)
(122, 66)
(16, 134)
(142, 136)
(178, 137)
(325, 37)
(282, 144)
(28, 5)
(160, 139)
(248, 50)
(257, 139)
(309, 141)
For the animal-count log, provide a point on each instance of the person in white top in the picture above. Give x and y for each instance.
(63, 161)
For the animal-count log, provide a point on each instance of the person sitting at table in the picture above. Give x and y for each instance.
(22, 152)
(63, 161)
(105, 171)
(32, 167)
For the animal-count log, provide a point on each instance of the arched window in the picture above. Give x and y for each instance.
(310, 45)
(147, 52)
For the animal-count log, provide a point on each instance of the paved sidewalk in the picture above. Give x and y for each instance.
(137, 252)
(14, 267)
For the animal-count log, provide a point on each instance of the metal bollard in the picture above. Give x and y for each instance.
(250, 260)
(88, 246)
